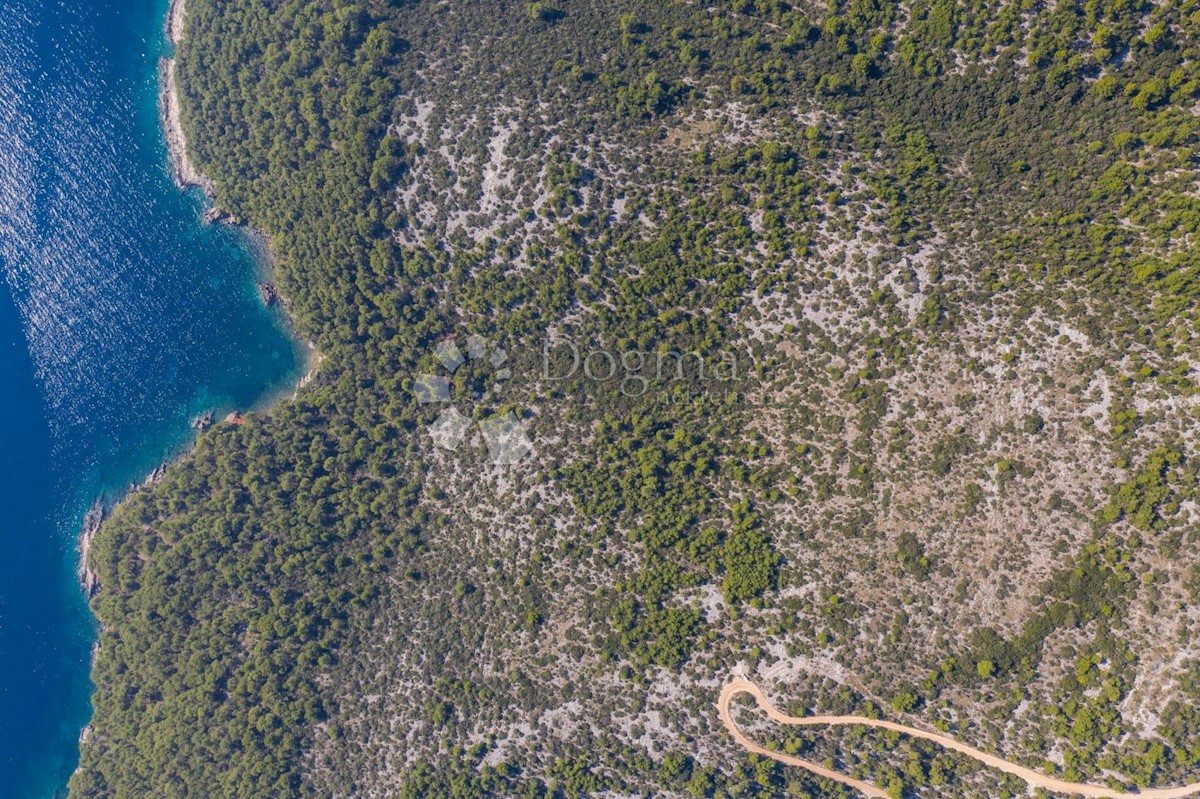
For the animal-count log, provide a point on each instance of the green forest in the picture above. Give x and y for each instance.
(317, 602)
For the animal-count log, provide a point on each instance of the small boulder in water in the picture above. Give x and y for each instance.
(216, 215)
(268, 294)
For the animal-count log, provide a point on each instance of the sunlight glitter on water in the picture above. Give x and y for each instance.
(131, 317)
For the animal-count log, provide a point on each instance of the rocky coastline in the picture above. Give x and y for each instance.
(92, 521)
(170, 111)
(186, 175)
(173, 24)
(184, 172)
(91, 525)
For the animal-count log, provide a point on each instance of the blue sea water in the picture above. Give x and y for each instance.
(122, 317)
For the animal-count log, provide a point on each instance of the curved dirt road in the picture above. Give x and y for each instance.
(1034, 778)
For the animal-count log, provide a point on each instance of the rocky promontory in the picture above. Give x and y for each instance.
(91, 525)
(183, 170)
(173, 24)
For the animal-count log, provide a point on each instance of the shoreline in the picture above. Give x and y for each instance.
(187, 176)
(174, 22)
(87, 575)
(183, 171)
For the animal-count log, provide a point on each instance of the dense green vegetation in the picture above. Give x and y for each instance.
(250, 598)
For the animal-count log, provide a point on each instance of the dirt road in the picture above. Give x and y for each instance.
(1034, 778)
